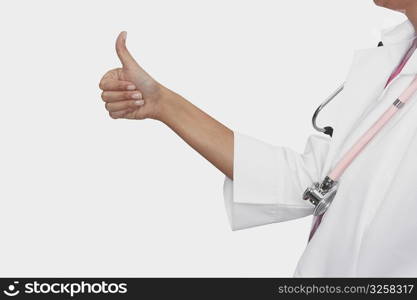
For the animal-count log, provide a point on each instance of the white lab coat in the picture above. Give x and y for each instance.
(371, 227)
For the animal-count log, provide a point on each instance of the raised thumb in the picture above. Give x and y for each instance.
(124, 55)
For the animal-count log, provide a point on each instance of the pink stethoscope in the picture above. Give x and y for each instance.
(322, 194)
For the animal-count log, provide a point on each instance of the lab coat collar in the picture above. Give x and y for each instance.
(402, 32)
(398, 39)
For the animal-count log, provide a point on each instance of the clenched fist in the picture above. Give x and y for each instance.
(129, 92)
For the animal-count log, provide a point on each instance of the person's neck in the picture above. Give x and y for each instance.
(411, 14)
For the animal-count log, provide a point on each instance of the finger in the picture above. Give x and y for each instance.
(125, 57)
(112, 96)
(134, 115)
(118, 114)
(124, 105)
(107, 84)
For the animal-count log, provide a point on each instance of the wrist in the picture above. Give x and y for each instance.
(168, 104)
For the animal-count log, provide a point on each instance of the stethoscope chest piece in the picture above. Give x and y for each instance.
(321, 195)
(324, 204)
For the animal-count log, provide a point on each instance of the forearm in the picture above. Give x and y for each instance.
(207, 136)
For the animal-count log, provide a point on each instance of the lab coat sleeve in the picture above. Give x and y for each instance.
(268, 181)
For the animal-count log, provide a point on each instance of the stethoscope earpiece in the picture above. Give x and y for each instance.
(328, 129)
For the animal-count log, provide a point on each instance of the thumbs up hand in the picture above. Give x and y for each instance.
(129, 92)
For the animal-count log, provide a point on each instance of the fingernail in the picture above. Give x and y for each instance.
(124, 35)
(139, 102)
(136, 96)
(131, 87)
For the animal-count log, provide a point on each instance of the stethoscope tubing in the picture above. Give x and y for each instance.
(372, 131)
(323, 104)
